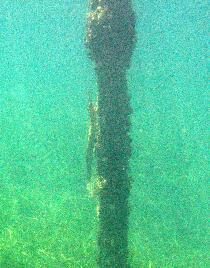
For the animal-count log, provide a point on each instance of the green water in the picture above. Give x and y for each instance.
(47, 218)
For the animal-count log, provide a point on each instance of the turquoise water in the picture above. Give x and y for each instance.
(47, 218)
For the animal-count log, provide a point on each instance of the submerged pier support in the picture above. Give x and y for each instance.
(110, 41)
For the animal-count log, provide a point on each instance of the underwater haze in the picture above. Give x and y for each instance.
(47, 216)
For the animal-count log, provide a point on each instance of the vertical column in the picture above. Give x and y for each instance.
(110, 41)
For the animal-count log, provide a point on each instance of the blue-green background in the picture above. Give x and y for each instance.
(47, 218)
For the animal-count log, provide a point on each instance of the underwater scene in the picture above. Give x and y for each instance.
(154, 139)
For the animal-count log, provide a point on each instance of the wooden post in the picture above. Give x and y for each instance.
(110, 40)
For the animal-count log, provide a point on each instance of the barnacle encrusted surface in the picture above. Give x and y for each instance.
(110, 41)
(111, 32)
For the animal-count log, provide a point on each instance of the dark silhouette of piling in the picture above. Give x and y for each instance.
(110, 40)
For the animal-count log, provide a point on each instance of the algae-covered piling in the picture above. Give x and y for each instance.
(110, 41)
